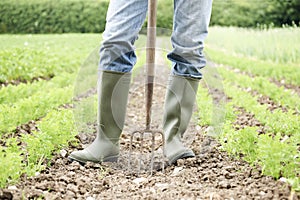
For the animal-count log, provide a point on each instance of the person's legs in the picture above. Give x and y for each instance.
(191, 20)
(117, 57)
(124, 21)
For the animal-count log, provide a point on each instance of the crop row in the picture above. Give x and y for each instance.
(279, 95)
(277, 155)
(33, 107)
(277, 150)
(205, 106)
(41, 100)
(56, 129)
(25, 65)
(277, 121)
(14, 93)
(288, 73)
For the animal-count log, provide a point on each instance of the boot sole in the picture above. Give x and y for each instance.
(83, 162)
(182, 156)
(71, 159)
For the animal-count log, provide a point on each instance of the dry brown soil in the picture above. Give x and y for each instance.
(212, 174)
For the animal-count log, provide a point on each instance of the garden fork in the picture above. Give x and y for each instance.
(149, 83)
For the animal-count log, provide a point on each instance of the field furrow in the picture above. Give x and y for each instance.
(288, 73)
(25, 65)
(33, 107)
(30, 153)
(280, 95)
(217, 173)
(245, 129)
(257, 115)
(14, 93)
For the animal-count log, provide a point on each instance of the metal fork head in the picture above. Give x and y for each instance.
(142, 152)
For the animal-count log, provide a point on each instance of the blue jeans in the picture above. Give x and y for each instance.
(125, 19)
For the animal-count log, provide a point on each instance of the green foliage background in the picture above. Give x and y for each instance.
(81, 16)
(255, 13)
(52, 16)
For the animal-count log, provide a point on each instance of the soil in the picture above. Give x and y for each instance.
(27, 128)
(245, 119)
(265, 100)
(19, 81)
(212, 174)
(294, 88)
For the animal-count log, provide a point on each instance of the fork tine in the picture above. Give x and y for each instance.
(163, 147)
(130, 149)
(141, 134)
(152, 152)
(154, 134)
(141, 151)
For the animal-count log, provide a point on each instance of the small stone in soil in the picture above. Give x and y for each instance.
(223, 184)
(139, 180)
(12, 187)
(176, 171)
(63, 153)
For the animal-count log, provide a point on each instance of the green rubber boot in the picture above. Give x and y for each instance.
(112, 102)
(180, 98)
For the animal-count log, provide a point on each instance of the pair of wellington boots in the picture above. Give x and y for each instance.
(113, 92)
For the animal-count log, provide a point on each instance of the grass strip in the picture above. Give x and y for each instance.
(280, 45)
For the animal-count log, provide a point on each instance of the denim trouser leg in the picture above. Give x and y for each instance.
(124, 21)
(190, 27)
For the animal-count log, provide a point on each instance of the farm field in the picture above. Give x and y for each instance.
(248, 100)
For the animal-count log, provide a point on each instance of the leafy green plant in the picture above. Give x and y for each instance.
(11, 166)
(14, 93)
(277, 121)
(55, 131)
(276, 151)
(277, 157)
(33, 107)
(262, 85)
(243, 142)
(22, 64)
